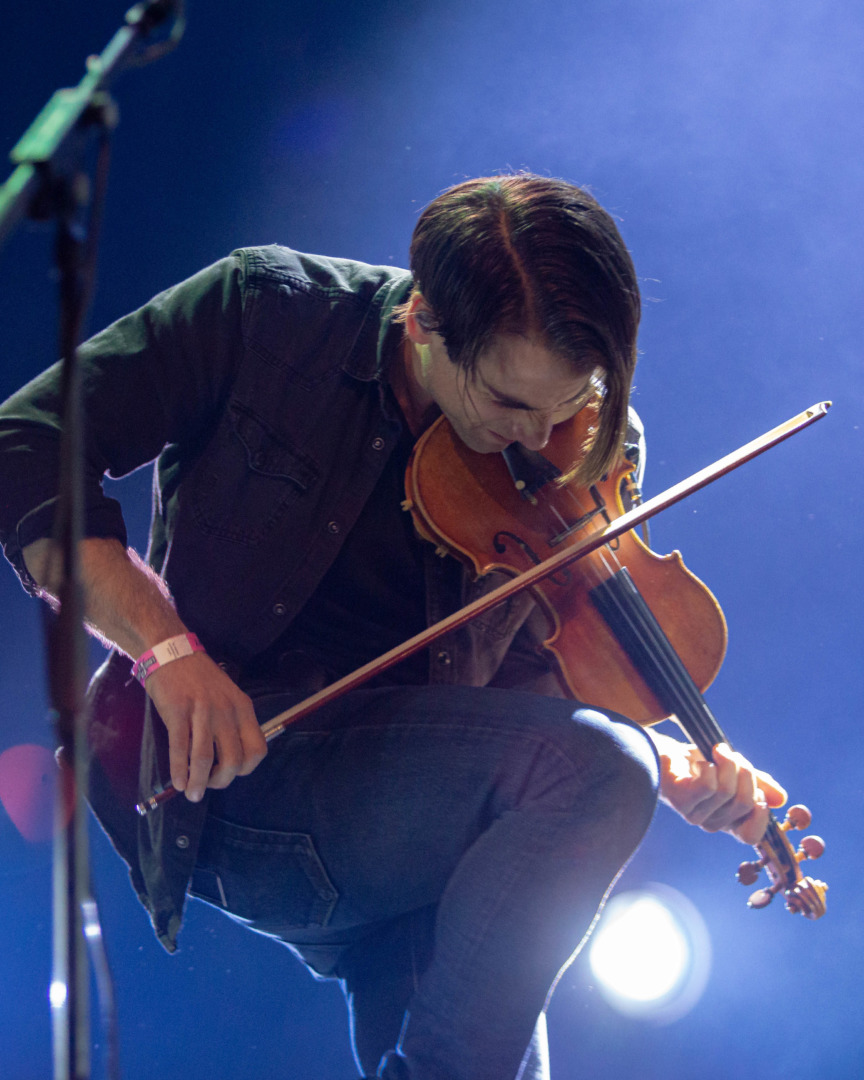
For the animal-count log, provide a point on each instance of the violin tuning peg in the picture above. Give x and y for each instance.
(797, 817)
(811, 847)
(761, 898)
(748, 872)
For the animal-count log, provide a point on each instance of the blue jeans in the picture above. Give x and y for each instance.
(443, 852)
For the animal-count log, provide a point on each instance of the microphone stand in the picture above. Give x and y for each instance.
(49, 182)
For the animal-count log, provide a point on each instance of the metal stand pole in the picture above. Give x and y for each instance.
(48, 182)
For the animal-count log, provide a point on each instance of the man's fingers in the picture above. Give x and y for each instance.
(240, 745)
(739, 791)
(253, 742)
(218, 752)
(775, 794)
(745, 812)
(212, 730)
(708, 792)
(228, 758)
(178, 754)
(201, 754)
(751, 828)
(725, 793)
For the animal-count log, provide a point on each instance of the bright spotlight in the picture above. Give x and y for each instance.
(57, 994)
(651, 954)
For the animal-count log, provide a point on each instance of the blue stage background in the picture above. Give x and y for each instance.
(726, 140)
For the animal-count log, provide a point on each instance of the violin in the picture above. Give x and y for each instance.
(630, 631)
(615, 646)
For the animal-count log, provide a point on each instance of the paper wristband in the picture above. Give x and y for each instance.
(164, 653)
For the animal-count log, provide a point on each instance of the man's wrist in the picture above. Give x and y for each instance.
(174, 648)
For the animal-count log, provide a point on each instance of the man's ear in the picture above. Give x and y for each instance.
(420, 321)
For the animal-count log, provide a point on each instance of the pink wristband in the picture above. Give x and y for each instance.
(164, 653)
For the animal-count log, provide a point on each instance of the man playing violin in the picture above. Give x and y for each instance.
(441, 839)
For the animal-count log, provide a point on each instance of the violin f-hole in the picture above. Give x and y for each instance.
(561, 577)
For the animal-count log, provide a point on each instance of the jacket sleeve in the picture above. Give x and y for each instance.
(152, 378)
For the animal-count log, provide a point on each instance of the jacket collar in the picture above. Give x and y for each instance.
(366, 363)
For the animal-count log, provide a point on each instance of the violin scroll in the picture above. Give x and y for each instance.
(804, 895)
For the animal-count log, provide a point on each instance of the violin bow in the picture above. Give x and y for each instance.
(776, 855)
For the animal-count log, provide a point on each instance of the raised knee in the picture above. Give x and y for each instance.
(599, 776)
(625, 750)
(604, 762)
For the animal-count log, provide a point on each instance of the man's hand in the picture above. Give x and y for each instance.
(726, 794)
(213, 734)
(209, 719)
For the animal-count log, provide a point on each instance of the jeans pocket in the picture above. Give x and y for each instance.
(272, 881)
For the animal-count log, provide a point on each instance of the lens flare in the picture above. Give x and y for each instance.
(651, 954)
(28, 786)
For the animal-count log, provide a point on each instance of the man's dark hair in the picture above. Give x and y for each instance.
(532, 256)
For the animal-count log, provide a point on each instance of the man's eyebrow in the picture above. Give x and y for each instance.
(515, 403)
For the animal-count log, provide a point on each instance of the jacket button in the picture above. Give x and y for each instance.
(443, 657)
(182, 842)
(377, 443)
(334, 527)
(279, 609)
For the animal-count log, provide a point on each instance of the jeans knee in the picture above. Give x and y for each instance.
(608, 762)
(629, 765)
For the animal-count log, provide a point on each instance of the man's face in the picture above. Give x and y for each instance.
(518, 392)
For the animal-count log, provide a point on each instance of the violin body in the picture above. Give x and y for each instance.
(509, 533)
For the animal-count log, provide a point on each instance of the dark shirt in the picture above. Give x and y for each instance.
(365, 605)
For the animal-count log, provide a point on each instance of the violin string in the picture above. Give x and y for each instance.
(677, 690)
(661, 664)
(559, 516)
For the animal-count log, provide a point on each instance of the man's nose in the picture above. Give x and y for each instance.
(534, 430)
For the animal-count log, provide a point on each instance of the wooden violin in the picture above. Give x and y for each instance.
(634, 638)
(630, 631)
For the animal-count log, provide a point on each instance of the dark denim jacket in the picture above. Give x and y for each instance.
(257, 386)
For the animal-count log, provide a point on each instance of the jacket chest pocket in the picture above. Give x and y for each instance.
(248, 479)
